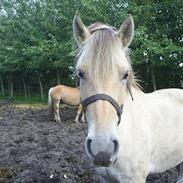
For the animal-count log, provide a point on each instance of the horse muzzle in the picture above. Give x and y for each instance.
(102, 157)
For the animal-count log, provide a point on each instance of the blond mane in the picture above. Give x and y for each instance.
(103, 51)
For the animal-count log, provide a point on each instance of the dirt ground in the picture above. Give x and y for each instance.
(34, 149)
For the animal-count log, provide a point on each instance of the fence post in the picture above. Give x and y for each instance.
(2, 86)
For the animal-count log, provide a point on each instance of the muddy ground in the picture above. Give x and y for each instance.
(34, 149)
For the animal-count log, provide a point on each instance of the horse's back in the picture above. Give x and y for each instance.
(172, 93)
(69, 95)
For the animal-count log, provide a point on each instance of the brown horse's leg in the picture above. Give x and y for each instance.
(83, 117)
(56, 110)
(78, 113)
(50, 106)
(83, 114)
(51, 113)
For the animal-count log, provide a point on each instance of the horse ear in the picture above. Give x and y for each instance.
(126, 31)
(81, 33)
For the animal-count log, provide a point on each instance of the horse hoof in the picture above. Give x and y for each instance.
(180, 180)
(58, 121)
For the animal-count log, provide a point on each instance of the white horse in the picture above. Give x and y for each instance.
(149, 137)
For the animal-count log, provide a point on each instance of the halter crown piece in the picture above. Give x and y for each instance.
(102, 96)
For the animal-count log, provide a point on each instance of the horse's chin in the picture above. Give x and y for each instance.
(102, 164)
(102, 160)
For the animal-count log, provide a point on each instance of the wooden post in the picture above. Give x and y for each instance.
(41, 87)
(11, 87)
(25, 88)
(58, 77)
(153, 79)
(2, 86)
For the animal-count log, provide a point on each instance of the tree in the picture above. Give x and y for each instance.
(36, 41)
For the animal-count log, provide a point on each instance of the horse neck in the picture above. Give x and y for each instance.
(135, 94)
(128, 125)
(132, 102)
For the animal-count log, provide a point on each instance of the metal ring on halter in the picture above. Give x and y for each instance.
(102, 96)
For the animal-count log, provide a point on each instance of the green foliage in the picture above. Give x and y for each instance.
(36, 36)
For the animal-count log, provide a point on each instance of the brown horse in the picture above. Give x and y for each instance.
(67, 95)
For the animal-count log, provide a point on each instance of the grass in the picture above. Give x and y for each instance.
(31, 102)
(26, 100)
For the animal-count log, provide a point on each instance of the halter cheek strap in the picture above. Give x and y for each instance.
(102, 96)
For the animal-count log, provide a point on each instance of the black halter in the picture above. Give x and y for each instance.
(102, 96)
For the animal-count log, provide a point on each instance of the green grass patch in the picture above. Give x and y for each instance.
(26, 100)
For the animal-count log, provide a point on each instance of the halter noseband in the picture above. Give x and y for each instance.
(102, 96)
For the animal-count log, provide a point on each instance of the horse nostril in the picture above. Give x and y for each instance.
(88, 147)
(116, 149)
(116, 145)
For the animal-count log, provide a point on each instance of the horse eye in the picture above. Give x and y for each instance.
(125, 76)
(80, 73)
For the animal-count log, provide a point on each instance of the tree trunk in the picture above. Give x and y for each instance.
(2, 86)
(8, 79)
(20, 90)
(25, 88)
(11, 87)
(41, 87)
(58, 77)
(153, 79)
(28, 90)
